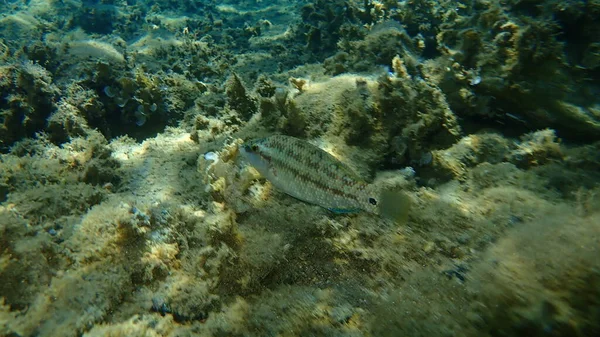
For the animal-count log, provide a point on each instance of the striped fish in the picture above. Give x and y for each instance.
(310, 174)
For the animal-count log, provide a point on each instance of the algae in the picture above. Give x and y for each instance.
(125, 209)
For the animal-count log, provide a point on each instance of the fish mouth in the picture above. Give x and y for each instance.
(243, 150)
(246, 149)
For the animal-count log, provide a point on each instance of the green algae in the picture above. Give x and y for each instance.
(484, 113)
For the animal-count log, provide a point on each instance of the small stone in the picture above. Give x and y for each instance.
(475, 80)
(108, 91)
(211, 156)
(463, 238)
(429, 247)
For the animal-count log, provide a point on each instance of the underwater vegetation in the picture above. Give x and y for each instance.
(128, 206)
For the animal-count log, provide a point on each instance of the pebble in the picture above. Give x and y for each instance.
(211, 156)
(428, 247)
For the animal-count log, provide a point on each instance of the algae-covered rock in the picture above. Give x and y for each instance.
(374, 51)
(125, 209)
(18, 27)
(498, 74)
(28, 99)
(239, 99)
(562, 302)
(324, 23)
(66, 123)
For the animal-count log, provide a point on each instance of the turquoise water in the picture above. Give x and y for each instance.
(126, 210)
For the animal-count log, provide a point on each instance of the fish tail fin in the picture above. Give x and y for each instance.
(394, 205)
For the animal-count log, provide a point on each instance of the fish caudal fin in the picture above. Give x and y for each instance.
(394, 205)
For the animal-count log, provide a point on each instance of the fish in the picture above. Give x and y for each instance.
(308, 173)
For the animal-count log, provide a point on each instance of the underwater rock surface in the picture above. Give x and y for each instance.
(126, 210)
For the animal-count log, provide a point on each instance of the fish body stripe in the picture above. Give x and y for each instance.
(308, 173)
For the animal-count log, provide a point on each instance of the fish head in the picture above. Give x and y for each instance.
(256, 154)
(369, 199)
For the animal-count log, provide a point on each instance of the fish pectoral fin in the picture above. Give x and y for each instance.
(343, 210)
(395, 205)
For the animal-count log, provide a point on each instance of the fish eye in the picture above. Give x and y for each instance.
(372, 201)
(254, 147)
